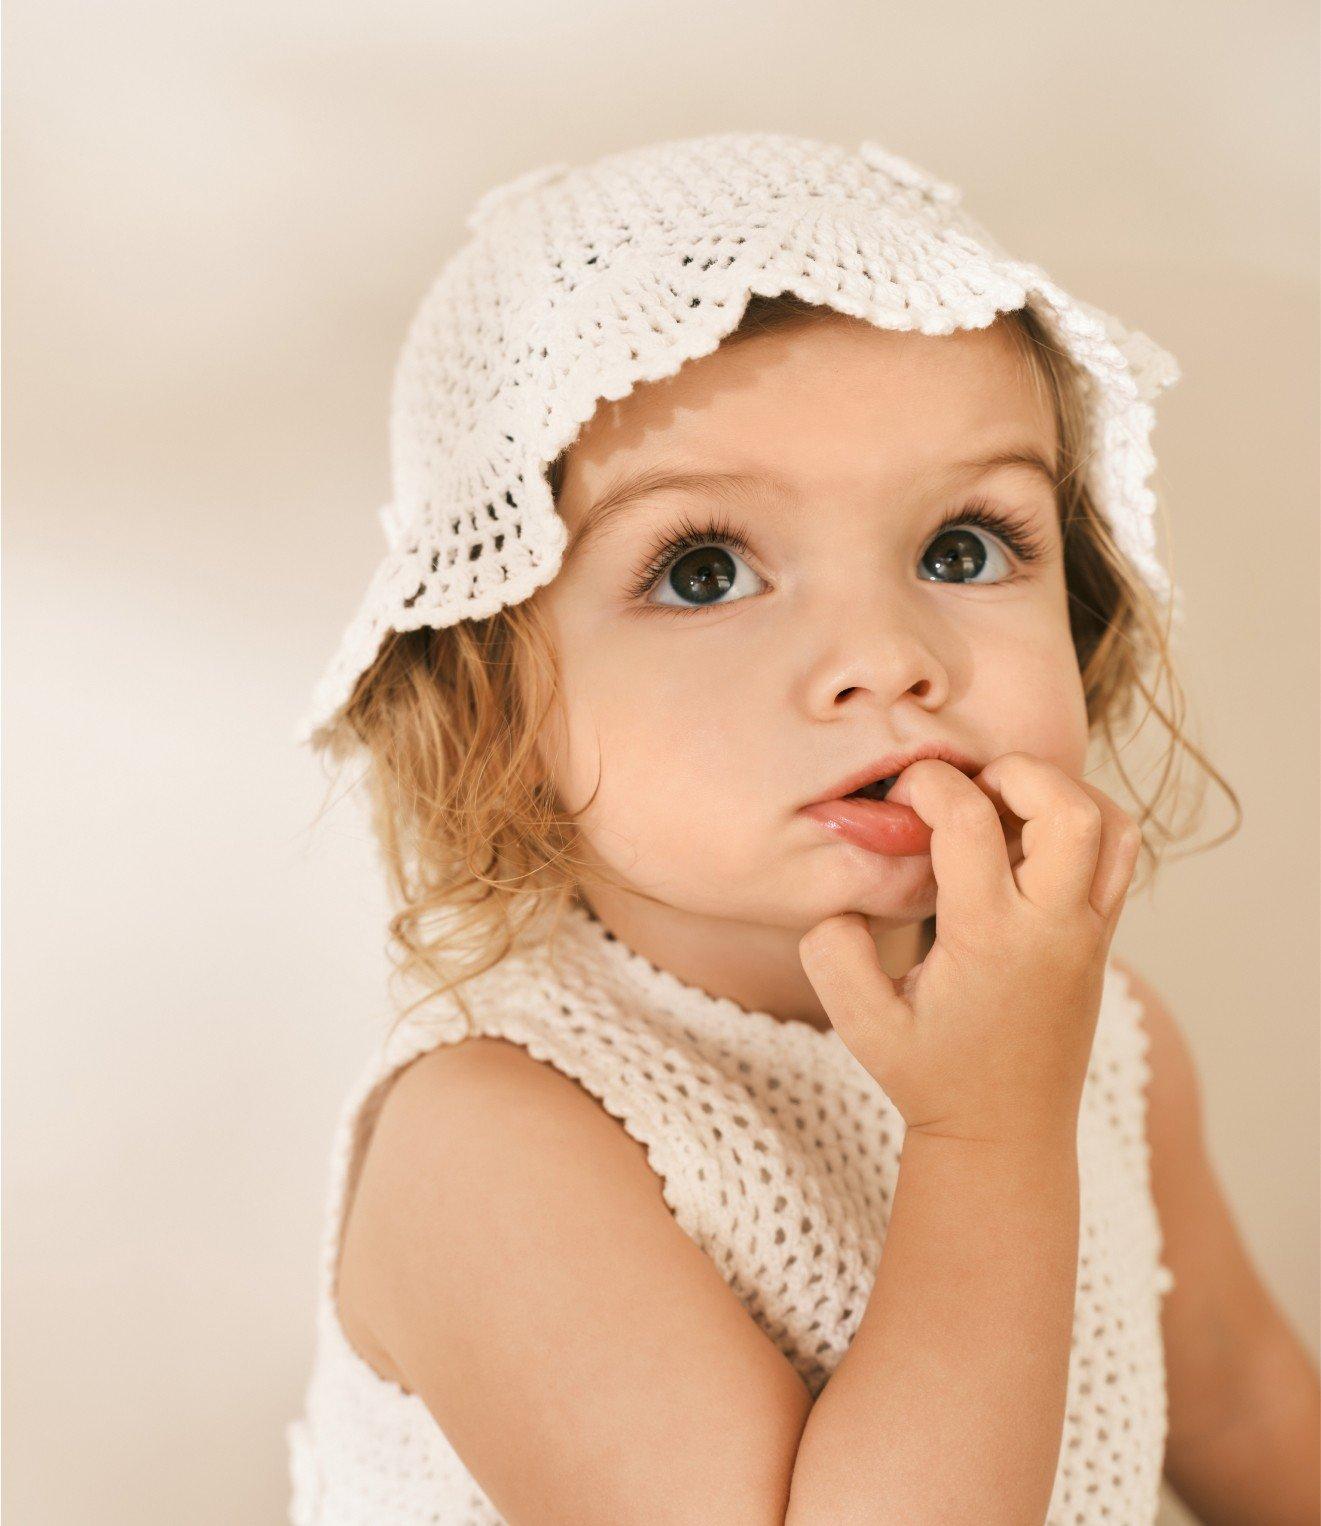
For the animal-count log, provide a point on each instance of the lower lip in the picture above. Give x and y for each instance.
(877, 825)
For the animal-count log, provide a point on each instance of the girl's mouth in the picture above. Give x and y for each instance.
(867, 820)
(877, 790)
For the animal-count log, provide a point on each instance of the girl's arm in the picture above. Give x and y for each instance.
(949, 1403)
(510, 1259)
(1245, 1406)
(590, 1364)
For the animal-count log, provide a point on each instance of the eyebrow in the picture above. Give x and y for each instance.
(630, 488)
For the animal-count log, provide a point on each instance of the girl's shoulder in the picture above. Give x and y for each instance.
(509, 1249)
(477, 1084)
(461, 1111)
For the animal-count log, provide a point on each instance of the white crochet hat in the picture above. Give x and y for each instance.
(579, 283)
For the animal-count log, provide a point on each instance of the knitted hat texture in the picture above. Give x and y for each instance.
(577, 283)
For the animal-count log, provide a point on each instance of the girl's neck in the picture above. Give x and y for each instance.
(755, 966)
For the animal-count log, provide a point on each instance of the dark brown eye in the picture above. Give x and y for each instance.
(958, 555)
(703, 575)
(695, 566)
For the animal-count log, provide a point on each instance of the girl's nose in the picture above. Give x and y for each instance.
(874, 652)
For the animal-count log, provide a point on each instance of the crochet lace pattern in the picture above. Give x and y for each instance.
(578, 283)
(778, 1154)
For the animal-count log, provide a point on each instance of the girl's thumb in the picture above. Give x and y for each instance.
(860, 999)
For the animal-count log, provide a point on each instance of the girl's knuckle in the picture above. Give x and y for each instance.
(1029, 760)
(1080, 818)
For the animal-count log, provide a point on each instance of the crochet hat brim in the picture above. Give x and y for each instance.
(473, 527)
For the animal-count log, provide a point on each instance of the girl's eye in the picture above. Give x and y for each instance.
(697, 565)
(959, 555)
(700, 567)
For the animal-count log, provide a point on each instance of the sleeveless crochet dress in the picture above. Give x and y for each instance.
(778, 1154)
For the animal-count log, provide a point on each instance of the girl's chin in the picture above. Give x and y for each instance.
(886, 868)
(898, 889)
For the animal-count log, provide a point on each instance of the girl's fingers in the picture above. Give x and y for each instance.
(1062, 832)
(860, 999)
(1121, 842)
(969, 854)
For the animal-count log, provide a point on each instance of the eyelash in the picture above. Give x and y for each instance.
(687, 536)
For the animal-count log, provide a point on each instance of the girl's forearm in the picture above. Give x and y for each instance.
(949, 1404)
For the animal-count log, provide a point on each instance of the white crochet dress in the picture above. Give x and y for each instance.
(778, 1155)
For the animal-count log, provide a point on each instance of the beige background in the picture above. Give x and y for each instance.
(218, 220)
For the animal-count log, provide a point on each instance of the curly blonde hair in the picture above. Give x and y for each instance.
(474, 841)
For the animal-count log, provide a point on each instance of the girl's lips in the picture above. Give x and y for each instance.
(880, 826)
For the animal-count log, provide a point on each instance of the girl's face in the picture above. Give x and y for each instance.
(823, 625)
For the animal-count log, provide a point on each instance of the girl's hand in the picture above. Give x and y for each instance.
(989, 1037)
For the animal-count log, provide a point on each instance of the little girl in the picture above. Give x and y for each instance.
(775, 1138)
